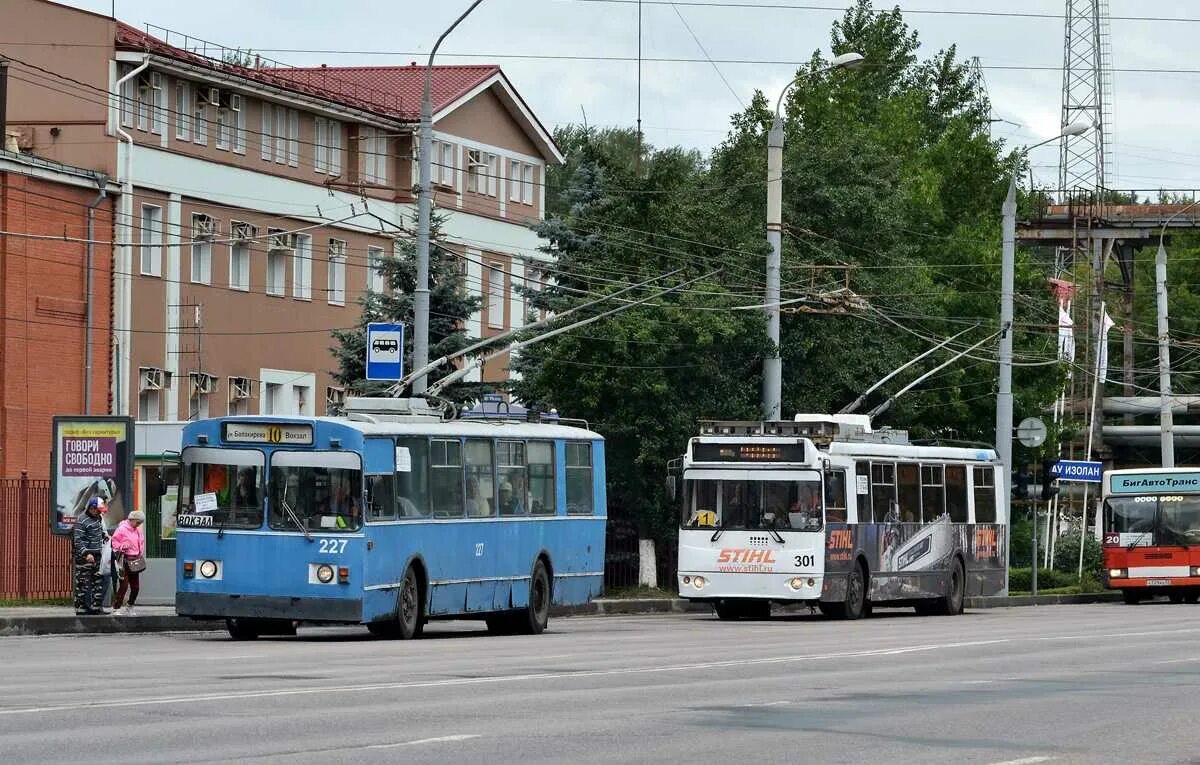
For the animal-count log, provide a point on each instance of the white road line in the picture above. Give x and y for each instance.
(1176, 661)
(438, 740)
(764, 704)
(1024, 761)
(283, 692)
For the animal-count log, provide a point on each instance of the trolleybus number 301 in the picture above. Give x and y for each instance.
(805, 560)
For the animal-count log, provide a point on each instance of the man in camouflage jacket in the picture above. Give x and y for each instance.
(88, 538)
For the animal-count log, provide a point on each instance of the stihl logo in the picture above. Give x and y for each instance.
(742, 555)
(840, 539)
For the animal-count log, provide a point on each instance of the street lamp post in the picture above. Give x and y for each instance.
(424, 203)
(773, 364)
(1166, 419)
(1004, 397)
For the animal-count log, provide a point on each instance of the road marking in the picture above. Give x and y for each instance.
(764, 704)
(542, 676)
(1024, 761)
(438, 740)
(1176, 661)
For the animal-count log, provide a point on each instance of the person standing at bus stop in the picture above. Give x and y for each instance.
(88, 541)
(130, 541)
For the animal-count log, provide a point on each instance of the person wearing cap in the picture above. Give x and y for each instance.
(130, 541)
(88, 541)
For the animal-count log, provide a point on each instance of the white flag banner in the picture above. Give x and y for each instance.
(1066, 335)
(1105, 326)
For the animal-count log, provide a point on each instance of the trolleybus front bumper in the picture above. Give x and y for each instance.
(202, 605)
(713, 586)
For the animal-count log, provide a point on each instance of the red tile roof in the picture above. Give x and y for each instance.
(404, 84)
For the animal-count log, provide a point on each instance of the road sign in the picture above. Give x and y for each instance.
(1031, 432)
(385, 351)
(1078, 470)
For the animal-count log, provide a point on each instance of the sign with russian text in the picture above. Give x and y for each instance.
(1154, 483)
(1077, 470)
(271, 433)
(91, 457)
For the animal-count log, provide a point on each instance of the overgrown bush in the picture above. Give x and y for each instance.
(1048, 579)
(1066, 555)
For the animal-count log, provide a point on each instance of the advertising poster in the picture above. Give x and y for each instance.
(91, 457)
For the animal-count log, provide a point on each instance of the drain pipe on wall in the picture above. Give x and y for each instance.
(124, 270)
(102, 182)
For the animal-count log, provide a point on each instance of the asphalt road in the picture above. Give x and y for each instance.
(1064, 684)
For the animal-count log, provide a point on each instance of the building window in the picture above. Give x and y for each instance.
(129, 102)
(267, 137)
(280, 134)
(520, 178)
(293, 145)
(527, 185)
(183, 101)
(278, 252)
(337, 272)
(224, 129)
(482, 169)
(493, 163)
(495, 297)
(271, 403)
(239, 124)
(151, 240)
(442, 164)
(373, 145)
(301, 398)
(200, 118)
(199, 406)
(579, 478)
(149, 407)
(239, 266)
(302, 268)
(203, 230)
(327, 149)
(144, 96)
(158, 97)
(375, 280)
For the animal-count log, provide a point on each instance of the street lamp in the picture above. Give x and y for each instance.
(1166, 420)
(773, 364)
(1004, 399)
(424, 202)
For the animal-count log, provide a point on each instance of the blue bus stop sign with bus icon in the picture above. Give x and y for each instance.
(1078, 470)
(385, 351)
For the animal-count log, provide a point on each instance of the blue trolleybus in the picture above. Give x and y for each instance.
(387, 519)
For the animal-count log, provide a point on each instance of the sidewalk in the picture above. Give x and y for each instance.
(61, 620)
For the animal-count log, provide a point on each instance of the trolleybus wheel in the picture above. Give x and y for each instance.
(758, 609)
(1175, 597)
(831, 610)
(532, 620)
(951, 604)
(409, 607)
(1131, 597)
(1191, 597)
(856, 593)
(241, 629)
(501, 624)
(728, 610)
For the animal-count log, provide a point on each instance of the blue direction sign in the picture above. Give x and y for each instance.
(1077, 470)
(385, 351)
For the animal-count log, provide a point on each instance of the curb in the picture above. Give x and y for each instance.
(1013, 601)
(101, 625)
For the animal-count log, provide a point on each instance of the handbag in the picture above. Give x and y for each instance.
(135, 564)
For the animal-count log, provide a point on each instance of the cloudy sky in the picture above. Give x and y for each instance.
(1155, 140)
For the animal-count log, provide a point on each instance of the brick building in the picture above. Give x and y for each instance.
(44, 304)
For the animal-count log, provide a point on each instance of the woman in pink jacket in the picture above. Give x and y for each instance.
(130, 540)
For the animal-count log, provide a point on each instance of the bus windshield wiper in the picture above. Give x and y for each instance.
(778, 537)
(717, 533)
(295, 518)
(1137, 541)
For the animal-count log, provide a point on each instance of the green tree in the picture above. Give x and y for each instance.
(450, 305)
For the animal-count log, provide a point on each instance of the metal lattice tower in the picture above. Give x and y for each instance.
(1087, 94)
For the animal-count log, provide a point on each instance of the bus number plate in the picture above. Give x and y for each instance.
(1158, 582)
(194, 521)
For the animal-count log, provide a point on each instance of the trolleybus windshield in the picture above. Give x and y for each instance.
(316, 491)
(222, 488)
(754, 505)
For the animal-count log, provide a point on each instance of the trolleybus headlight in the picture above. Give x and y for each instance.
(1119, 573)
(208, 569)
(1195, 570)
(698, 582)
(324, 573)
(796, 583)
(687, 580)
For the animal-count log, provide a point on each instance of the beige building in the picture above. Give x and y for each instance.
(257, 197)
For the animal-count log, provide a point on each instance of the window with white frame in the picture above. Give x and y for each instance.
(151, 236)
(241, 236)
(293, 144)
(301, 398)
(237, 106)
(149, 406)
(144, 98)
(442, 164)
(477, 171)
(203, 230)
(224, 129)
(271, 403)
(280, 132)
(495, 296)
(277, 256)
(327, 148)
(375, 280)
(527, 184)
(129, 102)
(268, 126)
(183, 109)
(158, 102)
(373, 145)
(200, 117)
(200, 406)
(520, 178)
(337, 272)
(493, 180)
(302, 268)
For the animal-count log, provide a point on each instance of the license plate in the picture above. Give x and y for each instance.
(1158, 582)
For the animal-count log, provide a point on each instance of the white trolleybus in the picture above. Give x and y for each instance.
(825, 510)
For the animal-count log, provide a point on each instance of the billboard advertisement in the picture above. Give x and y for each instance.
(91, 457)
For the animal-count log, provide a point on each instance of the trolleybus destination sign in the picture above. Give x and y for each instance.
(267, 433)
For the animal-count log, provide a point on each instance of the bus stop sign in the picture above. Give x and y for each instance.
(1077, 470)
(385, 351)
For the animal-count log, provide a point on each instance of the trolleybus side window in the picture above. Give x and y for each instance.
(908, 491)
(883, 490)
(446, 481)
(933, 497)
(985, 494)
(541, 477)
(956, 493)
(412, 476)
(233, 478)
(481, 483)
(381, 497)
(514, 484)
(835, 496)
(862, 492)
(579, 478)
